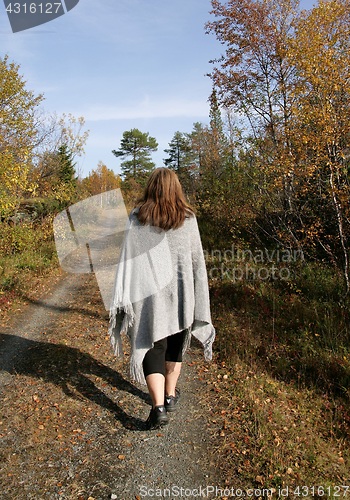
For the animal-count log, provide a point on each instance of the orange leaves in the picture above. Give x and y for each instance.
(100, 180)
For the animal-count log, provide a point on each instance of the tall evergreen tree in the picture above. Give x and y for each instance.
(180, 153)
(218, 143)
(216, 123)
(181, 159)
(137, 146)
(66, 166)
(65, 188)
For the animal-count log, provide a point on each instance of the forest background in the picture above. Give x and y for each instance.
(268, 177)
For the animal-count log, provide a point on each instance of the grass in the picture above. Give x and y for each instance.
(273, 435)
(283, 347)
(27, 250)
(296, 332)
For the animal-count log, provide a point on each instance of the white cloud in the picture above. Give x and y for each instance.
(146, 109)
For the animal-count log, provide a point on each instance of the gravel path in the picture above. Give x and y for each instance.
(72, 424)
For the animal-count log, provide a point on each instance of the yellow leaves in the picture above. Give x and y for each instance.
(320, 48)
(17, 131)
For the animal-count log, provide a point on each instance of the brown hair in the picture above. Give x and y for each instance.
(163, 203)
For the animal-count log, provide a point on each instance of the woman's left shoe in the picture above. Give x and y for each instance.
(157, 418)
(171, 401)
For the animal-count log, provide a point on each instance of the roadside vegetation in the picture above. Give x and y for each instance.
(282, 384)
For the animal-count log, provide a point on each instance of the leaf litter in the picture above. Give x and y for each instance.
(72, 425)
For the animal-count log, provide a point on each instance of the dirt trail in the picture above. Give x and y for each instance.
(71, 423)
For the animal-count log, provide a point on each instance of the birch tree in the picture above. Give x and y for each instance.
(320, 53)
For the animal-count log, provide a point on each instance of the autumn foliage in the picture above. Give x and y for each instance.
(284, 76)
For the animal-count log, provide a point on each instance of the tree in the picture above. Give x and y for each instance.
(217, 155)
(181, 159)
(216, 123)
(220, 187)
(53, 131)
(211, 146)
(254, 76)
(320, 52)
(178, 152)
(66, 166)
(54, 134)
(256, 79)
(18, 134)
(65, 187)
(100, 180)
(138, 146)
(287, 73)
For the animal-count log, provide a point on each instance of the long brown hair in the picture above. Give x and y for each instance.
(163, 203)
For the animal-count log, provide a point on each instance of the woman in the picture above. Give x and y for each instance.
(161, 294)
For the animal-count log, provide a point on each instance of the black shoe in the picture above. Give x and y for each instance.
(171, 401)
(157, 418)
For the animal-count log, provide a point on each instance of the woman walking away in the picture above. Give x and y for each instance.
(161, 294)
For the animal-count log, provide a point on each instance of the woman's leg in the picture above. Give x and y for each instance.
(154, 371)
(173, 363)
(162, 367)
(156, 387)
(173, 370)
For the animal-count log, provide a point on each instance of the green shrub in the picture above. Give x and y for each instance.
(25, 247)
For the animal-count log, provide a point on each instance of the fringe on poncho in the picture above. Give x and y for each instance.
(161, 288)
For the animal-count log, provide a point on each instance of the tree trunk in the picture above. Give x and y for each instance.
(342, 236)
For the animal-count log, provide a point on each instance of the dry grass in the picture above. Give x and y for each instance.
(274, 429)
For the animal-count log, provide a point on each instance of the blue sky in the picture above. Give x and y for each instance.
(121, 64)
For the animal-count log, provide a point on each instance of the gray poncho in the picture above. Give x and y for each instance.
(161, 288)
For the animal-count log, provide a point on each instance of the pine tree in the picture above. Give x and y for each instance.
(216, 123)
(66, 166)
(180, 156)
(65, 188)
(181, 159)
(137, 146)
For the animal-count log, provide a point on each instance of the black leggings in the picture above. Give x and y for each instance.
(168, 349)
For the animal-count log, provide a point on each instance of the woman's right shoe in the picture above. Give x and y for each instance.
(170, 402)
(157, 418)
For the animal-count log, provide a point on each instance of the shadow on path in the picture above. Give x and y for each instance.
(45, 305)
(67, 366)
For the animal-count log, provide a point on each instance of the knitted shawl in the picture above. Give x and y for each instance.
(161, 288)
